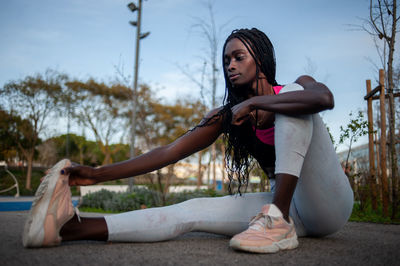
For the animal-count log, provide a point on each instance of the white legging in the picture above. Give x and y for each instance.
(321, 204)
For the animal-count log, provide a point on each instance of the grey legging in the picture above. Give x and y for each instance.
(321, 204)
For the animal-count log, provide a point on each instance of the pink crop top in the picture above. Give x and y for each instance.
(267, 135)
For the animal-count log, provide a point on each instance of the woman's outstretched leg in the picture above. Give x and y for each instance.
(84, 228)
(52, 217)
(222, 215)
(227, 215)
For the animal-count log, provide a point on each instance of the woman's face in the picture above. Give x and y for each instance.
(239, 65)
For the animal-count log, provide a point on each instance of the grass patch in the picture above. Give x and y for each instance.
(367, 214)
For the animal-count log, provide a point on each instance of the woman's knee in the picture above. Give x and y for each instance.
(292, 139)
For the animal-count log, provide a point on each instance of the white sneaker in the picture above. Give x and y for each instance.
(51, 209)
(268, 233)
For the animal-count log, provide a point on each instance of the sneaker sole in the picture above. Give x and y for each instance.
(284, 244)
(33, 235)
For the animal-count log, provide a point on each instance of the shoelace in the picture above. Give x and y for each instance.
(263, 220)
(77, 213)
(77, 210)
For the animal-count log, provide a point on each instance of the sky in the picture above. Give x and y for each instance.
(91, 39)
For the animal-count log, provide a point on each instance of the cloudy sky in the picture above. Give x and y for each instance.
(91, 38)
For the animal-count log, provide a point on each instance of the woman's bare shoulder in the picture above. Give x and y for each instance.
(214, 111)
(214, 116)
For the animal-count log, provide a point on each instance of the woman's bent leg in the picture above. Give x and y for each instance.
(323, 199)
(292, 140)
(227, 215)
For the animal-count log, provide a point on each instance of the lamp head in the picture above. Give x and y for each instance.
(132, 7)
(144, 35)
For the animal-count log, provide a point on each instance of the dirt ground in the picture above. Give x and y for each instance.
(355, 244)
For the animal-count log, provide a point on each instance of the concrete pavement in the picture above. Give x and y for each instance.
(355, 244)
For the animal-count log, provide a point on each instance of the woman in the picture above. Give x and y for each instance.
(277, 125)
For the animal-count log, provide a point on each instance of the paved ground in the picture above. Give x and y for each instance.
(355, 244)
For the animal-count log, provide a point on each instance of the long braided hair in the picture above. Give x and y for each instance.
(237, 156)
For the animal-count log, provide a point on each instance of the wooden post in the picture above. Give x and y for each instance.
(385, 187)
(372, 174)
(378, 169)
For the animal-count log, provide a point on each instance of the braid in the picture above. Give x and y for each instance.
(237, 156)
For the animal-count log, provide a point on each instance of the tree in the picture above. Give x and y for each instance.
(356, 128)
(8, 145)
(12, 130)
(33, 99)
(82, 151)
(103, 109)
(382, 24)
(210, 34)
(162, 124)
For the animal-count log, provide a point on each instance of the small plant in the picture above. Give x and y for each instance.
(139, 198)
(109, 201)
(356, 128)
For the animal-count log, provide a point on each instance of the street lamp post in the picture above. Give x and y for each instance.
(139, 36)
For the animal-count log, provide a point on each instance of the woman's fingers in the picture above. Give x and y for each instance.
(66, 171)
(79, 175)
(72, 182)
(239, 120)
(239, 114)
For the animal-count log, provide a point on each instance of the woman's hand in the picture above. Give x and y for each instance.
(80, 175)
(244, 111)
(241, 113)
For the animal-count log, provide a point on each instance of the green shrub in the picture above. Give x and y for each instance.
(139, 198)
(121, 202)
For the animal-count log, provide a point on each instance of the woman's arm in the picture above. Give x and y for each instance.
(314, 98)
(191, 142)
